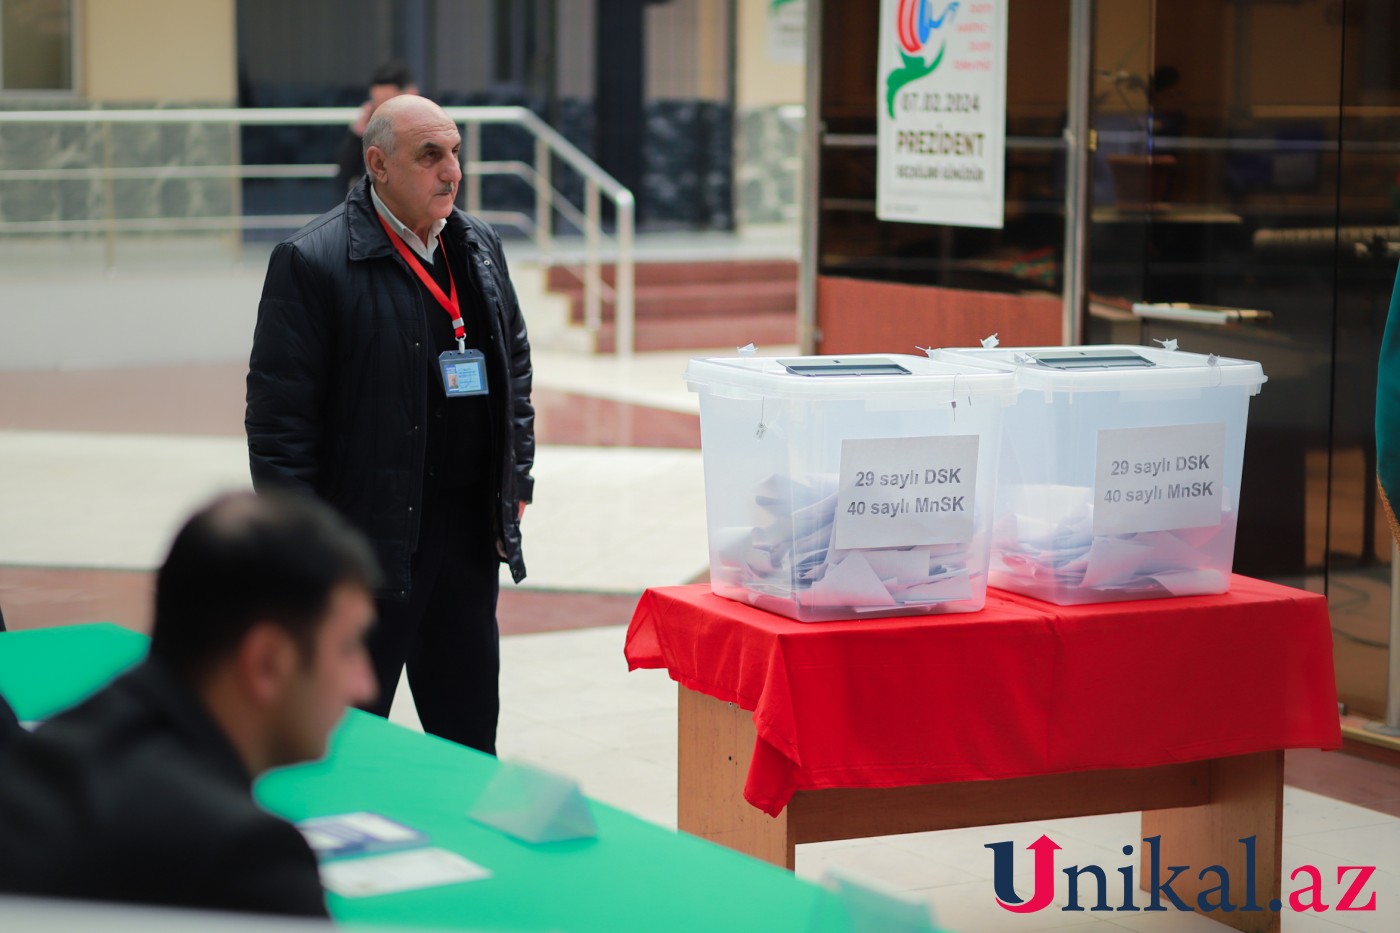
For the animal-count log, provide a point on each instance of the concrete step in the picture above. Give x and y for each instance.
(547, 313)
(683, 305)
(712, 299)
(688, 333)
(569, 278)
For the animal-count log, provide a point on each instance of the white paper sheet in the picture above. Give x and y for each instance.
(1192, 582)
(850, 583)
(1113, 560)
(951, 586)
(401, 871)
(1040, 548)
(787, 554)
(901, 566)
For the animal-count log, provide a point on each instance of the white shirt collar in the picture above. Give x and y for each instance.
(424, 250)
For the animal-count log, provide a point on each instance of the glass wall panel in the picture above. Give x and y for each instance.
(1246, 157)
(1023, 256)
(1239, 168)
(1216, 186)
(1357, 548)
(36, 45)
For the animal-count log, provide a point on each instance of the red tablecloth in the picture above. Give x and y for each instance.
(1021, 688)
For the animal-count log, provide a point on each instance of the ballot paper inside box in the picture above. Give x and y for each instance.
(849, 494)
(1120, 471)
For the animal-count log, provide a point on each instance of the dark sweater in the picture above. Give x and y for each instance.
(136, 795)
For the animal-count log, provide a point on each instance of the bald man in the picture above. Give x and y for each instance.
(390, 375)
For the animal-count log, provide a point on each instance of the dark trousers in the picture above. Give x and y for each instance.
(446, 631)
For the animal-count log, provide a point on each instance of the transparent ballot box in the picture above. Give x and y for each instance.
(849, 487)
(1120, 471)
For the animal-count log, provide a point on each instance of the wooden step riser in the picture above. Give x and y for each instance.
(662, 309)
(570, 278)
(762, 330)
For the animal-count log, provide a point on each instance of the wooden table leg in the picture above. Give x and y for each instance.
(715, 745)
(1246, 800)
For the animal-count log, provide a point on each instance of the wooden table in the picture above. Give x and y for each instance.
(1057, 712)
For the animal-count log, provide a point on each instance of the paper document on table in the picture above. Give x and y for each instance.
(357, 833)
(400, 871)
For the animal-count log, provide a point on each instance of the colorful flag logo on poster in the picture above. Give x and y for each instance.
(942, 112)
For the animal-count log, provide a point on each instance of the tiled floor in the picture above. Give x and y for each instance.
(99, 467)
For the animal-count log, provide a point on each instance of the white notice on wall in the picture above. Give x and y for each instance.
(787, 31)
(1159, 479)
(941, 99)
(905, 491)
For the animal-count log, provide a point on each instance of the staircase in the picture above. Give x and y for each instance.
(692, 305)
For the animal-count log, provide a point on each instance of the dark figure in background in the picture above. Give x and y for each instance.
(142, 793)
(388, 81)
(366, 315)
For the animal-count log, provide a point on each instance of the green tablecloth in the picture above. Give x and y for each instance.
(49, 669)
(633, 876)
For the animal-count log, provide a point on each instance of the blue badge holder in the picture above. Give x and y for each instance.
(463, 373)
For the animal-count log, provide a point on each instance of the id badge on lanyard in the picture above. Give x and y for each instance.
(463, 370)
(463, 373)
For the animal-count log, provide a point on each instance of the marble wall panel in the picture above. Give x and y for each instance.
(768, 166)
(166, 150)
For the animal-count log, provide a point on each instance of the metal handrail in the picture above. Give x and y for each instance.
(549, 144)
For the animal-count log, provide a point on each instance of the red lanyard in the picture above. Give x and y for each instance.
(449, 304)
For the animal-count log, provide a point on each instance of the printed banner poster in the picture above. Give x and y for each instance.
(942, 103)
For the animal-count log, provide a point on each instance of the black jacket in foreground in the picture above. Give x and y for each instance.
(136, 795)
(337, 379)
(9, 725)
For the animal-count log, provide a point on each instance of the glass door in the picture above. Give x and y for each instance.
(1246, 162)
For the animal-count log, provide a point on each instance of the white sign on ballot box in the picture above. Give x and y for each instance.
(905, 491)
(1159, 479)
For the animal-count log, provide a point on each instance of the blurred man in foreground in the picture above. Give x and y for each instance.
(9, 725)
(142, 793)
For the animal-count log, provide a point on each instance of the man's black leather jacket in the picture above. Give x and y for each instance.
(336, 390)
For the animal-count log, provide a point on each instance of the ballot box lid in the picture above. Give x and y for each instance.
(853, 376)
(1109, 367)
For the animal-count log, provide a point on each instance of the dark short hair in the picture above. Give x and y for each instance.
(393, 72)
(247, 558)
